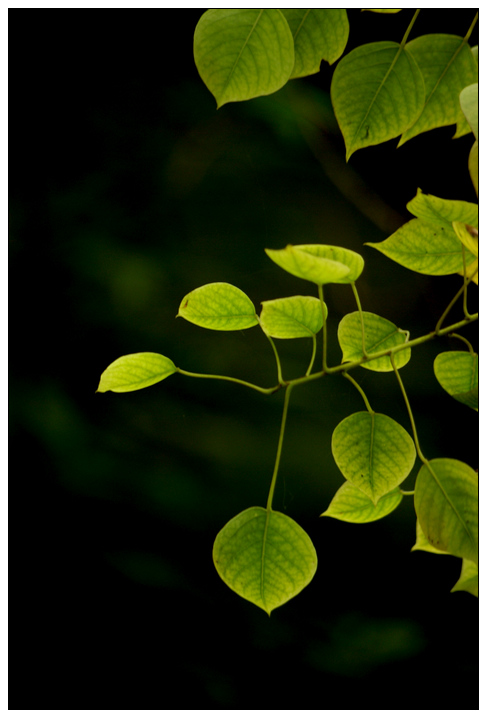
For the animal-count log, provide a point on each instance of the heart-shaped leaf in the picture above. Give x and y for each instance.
(292, 317)
(380, 335)
(319, 34)
(219, 306)
(352, 505)
(135, 371)
(469, 578)
(422, 543)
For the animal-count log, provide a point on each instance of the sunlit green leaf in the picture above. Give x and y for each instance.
(436, 210)
(469, 578)
(373, 452)
(352, 505)
(422, 543)
(243, 53)
(319, 34)
(319, 263)
(446, 503)
(265, 557)
(447, 65)
(469, 102)
(135, 371)
(380, 334)
(458, 374)
(292, 317)
(219, 306)
(377, 92)
(473, 165)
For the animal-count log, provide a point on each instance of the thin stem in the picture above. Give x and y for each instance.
(279, 447)
(324, 313)
(357, 299)
(470, 317)
(459, 336)
(406, 493)
(466, 281)
(359, 388)
(411, 418)
(410, 27)
(469, 32)
(313, 355)
(278, 361)
(261, 389)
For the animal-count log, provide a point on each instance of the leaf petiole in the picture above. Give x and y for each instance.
(359, 388)
(411, 417)
(261, 389)
(279, 447)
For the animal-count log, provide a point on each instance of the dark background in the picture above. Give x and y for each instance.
(127, 190)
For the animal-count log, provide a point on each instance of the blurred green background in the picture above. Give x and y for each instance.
(127, 190)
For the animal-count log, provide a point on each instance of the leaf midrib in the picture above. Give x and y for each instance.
(227, 81)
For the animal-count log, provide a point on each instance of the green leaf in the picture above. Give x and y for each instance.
(469, 578)
(319, 34)
(319, 263)
(436, 210)
(219, 306)
(458, 374)
(352, 505)
(447, 65)
(388, 12)
(243, 53)
(377, 92)
(469, 102)
(380, 334)
(135, 371)
(292, 317)
(446, 503)
(265, 557)
(373, 452)
(422, 543)
(473, 165)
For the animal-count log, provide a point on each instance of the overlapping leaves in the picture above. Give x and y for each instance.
(379, 335)
(354, 506)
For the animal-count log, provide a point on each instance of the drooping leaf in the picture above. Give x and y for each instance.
(352, 505)
(319, 263)
(243, 53)
(319, 34)
(469, 102)
(377, 92)
(469, 578)
(447, 65)
(458, 374)
(380, 334)
(219, 306)
(373, 452)
(292, 317)
(422, 543)
(436, 210)
(265, 557)
(446, 503)
(135, 371)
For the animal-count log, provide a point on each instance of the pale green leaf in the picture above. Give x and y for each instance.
(468, 236)
(135, 371)
(469, 102)
(292, 317)
(219, 306)
(458, 374)
(243, 53)
(373, 452)
(473, 165)
(352, 505)
(446, 503)
(475, 53)
(469, 578)
(380, 334)
(447, 66)
(319, 34)
(436, 210)
(377, 92)
(265, 557)
(319, 263)
(422, 543)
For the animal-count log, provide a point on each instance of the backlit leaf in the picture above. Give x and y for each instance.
(380, 334)
(265, 557)
(135, 371)
(219, 306)
(469, 102)
(243, 53)
(373, 452)
(446, 503)
(422, 543)
(319, 34)
(377, 92)
(319, 263)
(292, 317)
(473, 165)
(458, 374)
(469, 578)
(352, 505)
(443, 211)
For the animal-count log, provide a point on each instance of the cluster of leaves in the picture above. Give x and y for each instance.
(397, 90)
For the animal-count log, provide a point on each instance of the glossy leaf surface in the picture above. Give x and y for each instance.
(380, 335)
(446, 503)
(292, 317)
(135, 371)
(319, 263)
(377, 92)
(265, 557)
(318, 34)
(458, 374)
(352, 505)
(373, 452)
(243, 53)
(469, 578)
(219, 306)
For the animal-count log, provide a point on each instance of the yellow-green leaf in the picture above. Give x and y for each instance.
(469, 578)
(352, 505)
(135, 371)
(219, 306)
(380, 334)
(319, 34)
(422, 543)
(319, 263)
(443, 211)
(469, 102)
(292, 317)
(458, 374)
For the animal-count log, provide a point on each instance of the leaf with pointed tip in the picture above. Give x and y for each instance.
(447, 65)
(380, 334)
(218, 306)
(319, 263)
(469, 578)
(377, 92)
(458, 374)
(352, 505)
(422, 543)
(243, 53)
(135, 371)
(373, 452)
(292, 317)
(443, 211)
(446, 503)
(265, 557)
(318, 34)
